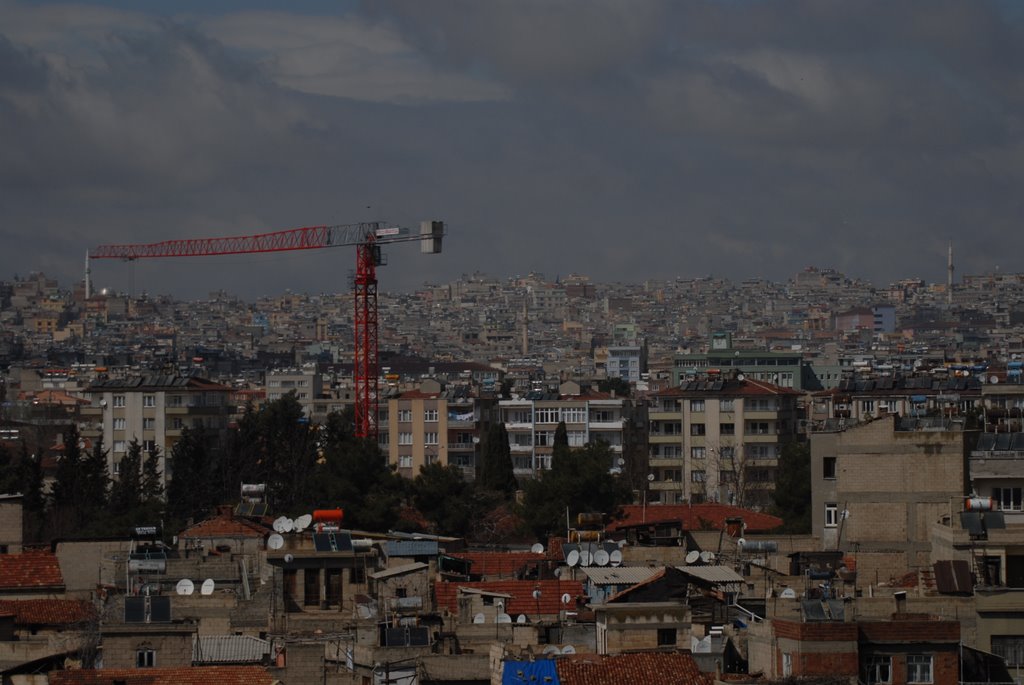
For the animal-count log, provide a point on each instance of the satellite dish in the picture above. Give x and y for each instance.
(615, 558)
(302, 523)
(584, 558)
(622, 543)
(536, 594)
(278, 524)
(692, 556)
(741, 542)
(551, 649)
(705, 556)
(993, 379)
(185, 587)
(568, 649)
(650, 477)
(478, 618)
(537, 548)
(503, 618)
(601, 558)
(788, 593)
(740, 377)
(573, 557)
(521, 618)
(275, 541)
(207, 587)
(364, 611)
(620, 461)
(288, 558)
(566, 598)
(289, 526)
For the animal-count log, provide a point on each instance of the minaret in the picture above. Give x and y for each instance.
(88, 275)
(526, 326)
(949, 276)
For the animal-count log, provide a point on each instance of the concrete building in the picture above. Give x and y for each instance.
(785, 369)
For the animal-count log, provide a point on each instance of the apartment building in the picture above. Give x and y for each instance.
(785, 369)
(589, 416)
(719, 440)
(153, 409)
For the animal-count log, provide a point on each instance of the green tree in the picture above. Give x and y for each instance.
(792, 496)
(190, 494)
(95, 486)
(561, 454)
(67, 497)
(620, 386)
(496, 469)
(445, 499)
(125, 496)
(151, 484)
(584, 484)
(10, 476)
(34, 500)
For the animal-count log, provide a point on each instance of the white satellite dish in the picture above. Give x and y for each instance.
(289, 526)
(573, 557)
(568, 649)
(584, 557)
(650, 477)
(521, 618)
(537, 548)
(741, 542)
(275, 541)
(479, 618)
(364, 611)
(993, 379)
(740, 377)
(788, 593)
(185, 587)
(551, 649)
(207, 587)
(705, 556)
(503, 618)
(536, 594)
(601, 558)
(620, 461)
(289, 558)
(615, 558)
(566, 598)
(302, 523)
(692, 556)
(278, 524)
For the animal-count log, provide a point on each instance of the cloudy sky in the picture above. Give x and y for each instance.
(624, 140)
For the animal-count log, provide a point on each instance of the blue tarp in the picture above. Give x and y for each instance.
(528, 672)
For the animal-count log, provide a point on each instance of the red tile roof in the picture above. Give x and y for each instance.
(521, 592)
(649, 668)
(694, 516)
(50, 612)
(499, 563)
(197, 675)
(30, 569)
(226, 525)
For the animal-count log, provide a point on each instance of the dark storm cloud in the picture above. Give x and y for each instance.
(617, 139)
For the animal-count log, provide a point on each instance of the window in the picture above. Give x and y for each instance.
(1010, 647)
(119, 445)
(176, 423)
(831, 515)
(1007, 499)
(726, 476)
(577, 438)
(405, 438)
(787, 664)
(698, 429)
(148, 446)
(574, 414)
(877, 669)
(828, 469)
(357, 575)
(149, 400)
(311, 587)
(332, 586)
(174, 401)
(725, 405)
(867, 406)
(430, 438)
(919, 668)
(117, 467)
(148, 424)
(666, 637)
(430, 415)
(698, 452)
(757, 427)
(546, 415)
(145, 657)
(120, 424)
(696, 405)
(697, 476)
(118, 400)
(405, 415)
(405, 461)
(727, 429)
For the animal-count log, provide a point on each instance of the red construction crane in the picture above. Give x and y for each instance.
(367, 237)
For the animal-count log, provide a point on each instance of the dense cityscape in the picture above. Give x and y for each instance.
(713, 480)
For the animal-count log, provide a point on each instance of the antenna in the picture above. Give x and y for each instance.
(275, 541)
(692, 556)
(185, 587)
(207, 587)
(537, 548)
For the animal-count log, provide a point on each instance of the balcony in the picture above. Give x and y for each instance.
(760, 414)
(518, 426)
(460, 446)
(665, 462)
(521, 449)
(606, 425)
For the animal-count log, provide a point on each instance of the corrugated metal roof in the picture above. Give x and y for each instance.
(411, 548)
(618, 575)
(229, 649)
(712, 574)
(398, 570)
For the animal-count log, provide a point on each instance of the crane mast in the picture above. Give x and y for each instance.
(367, 237)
